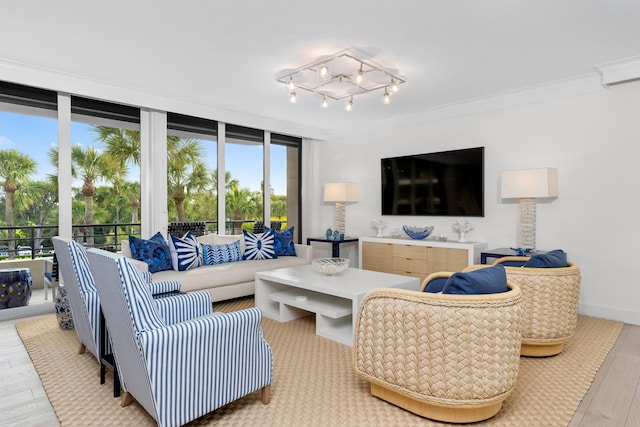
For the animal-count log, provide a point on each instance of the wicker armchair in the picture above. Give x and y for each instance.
(452, 358)
(550, 305)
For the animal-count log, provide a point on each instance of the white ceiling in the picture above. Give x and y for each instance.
(226, 55)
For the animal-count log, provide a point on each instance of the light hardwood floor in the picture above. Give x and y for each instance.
(613, 399)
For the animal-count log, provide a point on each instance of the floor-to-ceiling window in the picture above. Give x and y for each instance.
(192, 171)
(105, 159)
(284, 176)
(28, 190)
(244, 177)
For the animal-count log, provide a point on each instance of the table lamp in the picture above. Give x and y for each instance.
(528, 185)
(340, 193)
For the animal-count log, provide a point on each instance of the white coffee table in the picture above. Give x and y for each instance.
(289, 293)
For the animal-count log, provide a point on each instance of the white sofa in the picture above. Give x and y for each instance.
(224, 281)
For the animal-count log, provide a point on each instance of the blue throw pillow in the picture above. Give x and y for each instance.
(155, 252)
(220, 254)
(553, 259)
(436, 285)
(185, 252)
(283, 242)
(259, 246)
(490, 280)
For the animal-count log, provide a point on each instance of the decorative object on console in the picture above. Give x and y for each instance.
(379, 225)
(522, 251)
(528, 185)
(441, 237)
(341, 76)
(462, 227)
(340, 193)
(330, 266)
(416, 232)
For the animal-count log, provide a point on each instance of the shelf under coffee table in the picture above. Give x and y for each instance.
(290, 293)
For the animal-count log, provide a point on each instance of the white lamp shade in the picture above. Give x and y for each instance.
(529, 183)
(341, 192)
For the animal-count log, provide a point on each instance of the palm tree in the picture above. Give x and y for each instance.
(15, 168)
(36, 201)
(91, 166)
(185, 171)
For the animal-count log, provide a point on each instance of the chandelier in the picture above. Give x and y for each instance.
(341, 76)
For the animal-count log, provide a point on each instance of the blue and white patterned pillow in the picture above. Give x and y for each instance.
(259, 246)
(283, 243)
(220, 254)
(185, 252)
(155, 252)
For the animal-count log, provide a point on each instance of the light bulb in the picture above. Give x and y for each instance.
(325, 103)
(324, 71)
(349, 106)
(359, 75)
(386, 98)
(291, 85)
(293, 97)
(394, 85)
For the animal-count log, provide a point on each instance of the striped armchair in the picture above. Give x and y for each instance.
(85, 303)
(178, 370)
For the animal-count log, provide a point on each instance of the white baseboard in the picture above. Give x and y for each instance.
(626, 316)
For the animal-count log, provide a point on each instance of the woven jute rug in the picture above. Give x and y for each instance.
(313, 381)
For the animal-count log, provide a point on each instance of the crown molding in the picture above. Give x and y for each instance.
(579, 85)
(620, 71)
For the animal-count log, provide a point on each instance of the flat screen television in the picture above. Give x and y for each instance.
(446, 183)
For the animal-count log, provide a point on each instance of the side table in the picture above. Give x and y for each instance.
(501, 252)
(335, 244)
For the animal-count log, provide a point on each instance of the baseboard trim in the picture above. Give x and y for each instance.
(626, 316)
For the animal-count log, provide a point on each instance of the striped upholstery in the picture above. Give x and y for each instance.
(181, 370)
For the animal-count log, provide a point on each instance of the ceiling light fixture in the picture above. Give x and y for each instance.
(386, 98)
(291, 85)
(394, 86)
(324, 71)
(359, 75)
(341, 76)
(349, 105)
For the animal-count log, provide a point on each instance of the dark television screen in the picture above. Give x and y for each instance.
(447, 183)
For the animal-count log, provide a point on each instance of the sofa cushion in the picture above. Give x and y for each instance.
(283, 241)
(185, 252)
(553, 259)
(490, 280)
(220, 254)
(259, 246)
(154, 252)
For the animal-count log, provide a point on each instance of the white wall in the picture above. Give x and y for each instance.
(593, 140)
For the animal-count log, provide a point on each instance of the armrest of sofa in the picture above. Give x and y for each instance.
(125, 250)
(304, 251)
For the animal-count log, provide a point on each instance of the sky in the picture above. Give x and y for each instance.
(35, 136)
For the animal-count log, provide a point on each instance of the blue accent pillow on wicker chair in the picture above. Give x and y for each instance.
(490, 280)
(553, 259)
(283, 241)
(154, 251)
(259, 246)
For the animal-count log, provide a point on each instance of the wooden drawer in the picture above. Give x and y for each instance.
(409, 265)
(409, 251)
(420, 276)
(376, 256)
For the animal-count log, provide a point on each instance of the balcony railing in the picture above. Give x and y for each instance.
(35, 241)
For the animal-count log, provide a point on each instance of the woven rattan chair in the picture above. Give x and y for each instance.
(550, 305)
(451, 358)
